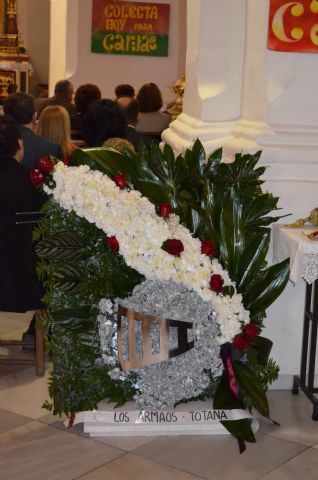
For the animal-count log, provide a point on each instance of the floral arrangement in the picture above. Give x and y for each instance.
(114, 220)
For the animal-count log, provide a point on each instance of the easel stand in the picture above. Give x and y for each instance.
(305, 381)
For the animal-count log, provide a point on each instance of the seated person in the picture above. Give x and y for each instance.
(21, 107)
(119, 144)
(63, 96)
(54, 124)
(124, 90)
(152, 121)
(131, 111)
(104, 119)
(84, 96)
(20, 290)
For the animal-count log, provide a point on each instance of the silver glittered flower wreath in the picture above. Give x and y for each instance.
(182, 377)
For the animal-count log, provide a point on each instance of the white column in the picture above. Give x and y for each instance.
(244, 97)
(214, 72)
(63, 40)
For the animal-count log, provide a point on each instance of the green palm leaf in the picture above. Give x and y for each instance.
(223, 399)
(231, 233)
(249, 383)
(253, 259)
(61, 246)
(68, 277)
(267, 286)
(76, 319)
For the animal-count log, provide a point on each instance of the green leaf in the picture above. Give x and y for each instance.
(214, 161)
(263, 348)
(231, 239)
(258, 207)
(249, 382)
(253, 259)
(155, 192)
(224, 400)
(68, 277)
(267, 287)
(124, 283)
(74, 318)
(61, 246)
(108, 161)
(251, 356)
(198, 156)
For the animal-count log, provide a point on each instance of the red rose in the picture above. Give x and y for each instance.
(208, 248)
(45, 164)
(240, 342)
(251, 331)
(113, 243)
(120, 180)
(164, 209)
(216, 283)
(66, 160)
(36, 177)
(174, 247)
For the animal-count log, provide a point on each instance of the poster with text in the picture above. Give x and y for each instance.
(293, 26)
(122, 27)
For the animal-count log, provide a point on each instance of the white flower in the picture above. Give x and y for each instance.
(105, 305)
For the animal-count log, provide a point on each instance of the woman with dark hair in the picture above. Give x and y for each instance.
(103, 120)
(84, 96)
(152, 121)
(20, 290)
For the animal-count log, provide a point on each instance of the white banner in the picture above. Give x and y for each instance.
(161, 422)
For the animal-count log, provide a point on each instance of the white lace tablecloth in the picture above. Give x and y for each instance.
(303, 253)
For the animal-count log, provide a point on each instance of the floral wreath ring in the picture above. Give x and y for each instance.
(183, 376)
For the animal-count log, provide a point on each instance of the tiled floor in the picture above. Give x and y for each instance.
(35, 445)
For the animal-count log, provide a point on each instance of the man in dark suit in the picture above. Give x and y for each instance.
(63, 96)
(20, 290)
(131, 111)
(21, 108)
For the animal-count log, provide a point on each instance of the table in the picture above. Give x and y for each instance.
(303, 253)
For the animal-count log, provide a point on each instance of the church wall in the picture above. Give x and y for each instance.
(82, 66)
(34, 22)
(70, 54)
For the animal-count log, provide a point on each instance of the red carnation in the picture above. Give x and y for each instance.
(250, 331)
(164, 209)
(208, 248)
(120, 180)
(66, 160)
(36, 177)
(240, 342)
(113, 243)
(174, 247)
(216, 283)
(45, 164)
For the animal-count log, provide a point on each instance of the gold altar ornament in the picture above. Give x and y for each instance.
(313, 219)
(176, 107)
(11, 43)
(15, 68)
